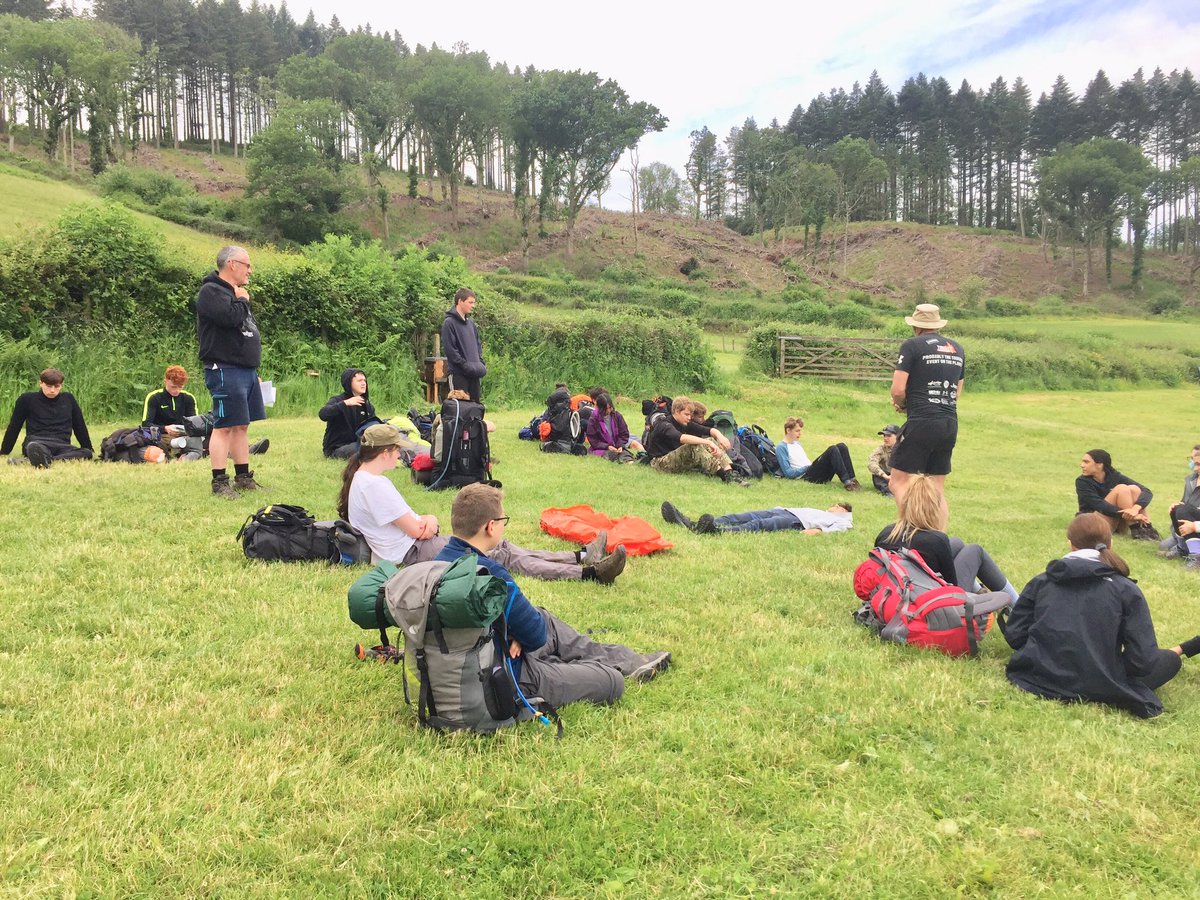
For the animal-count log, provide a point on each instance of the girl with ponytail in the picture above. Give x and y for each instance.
(1082, 631)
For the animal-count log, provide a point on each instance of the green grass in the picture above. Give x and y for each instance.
(1170, 333)
(178, 721)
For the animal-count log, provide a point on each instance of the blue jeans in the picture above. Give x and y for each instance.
(758, 520)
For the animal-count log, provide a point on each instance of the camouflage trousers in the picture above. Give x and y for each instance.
(692, 458)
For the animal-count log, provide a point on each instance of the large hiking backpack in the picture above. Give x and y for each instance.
(744, 463)
(755, 442)
(461, 451)
(907, 602)
(424, 422)
(562, 429)
(288, 533)
(129, 444)
(448, 613)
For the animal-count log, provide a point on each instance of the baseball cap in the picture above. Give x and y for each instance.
(890, 429)
(382, 436)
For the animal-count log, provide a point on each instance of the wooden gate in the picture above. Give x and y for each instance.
(837, 358)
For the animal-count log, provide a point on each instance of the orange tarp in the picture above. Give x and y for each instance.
(581, 524)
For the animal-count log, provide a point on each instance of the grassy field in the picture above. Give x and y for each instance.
(175, 720)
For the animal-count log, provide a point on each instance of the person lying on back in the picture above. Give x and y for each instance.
(806, 520)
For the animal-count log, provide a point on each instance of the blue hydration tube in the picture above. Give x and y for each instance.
(537, 714)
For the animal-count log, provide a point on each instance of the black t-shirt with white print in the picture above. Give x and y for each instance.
(935, 366)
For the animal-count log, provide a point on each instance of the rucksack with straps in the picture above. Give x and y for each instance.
(129, 444)
(447, 613)
(744, 463)
(562, 430)
(462, 452)
(907, 602)
(287, 533)
(755, 442)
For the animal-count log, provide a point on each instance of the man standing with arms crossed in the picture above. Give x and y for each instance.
(231, 350)
(463, 346)
(927, 383)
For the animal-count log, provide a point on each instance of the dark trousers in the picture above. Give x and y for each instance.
(345, 451)
(834, 461)
(456, 382)
(971, 561)
(1166, 666)
(1183, 513)
(882, 485)
(58, 449)
(758, 520)
(571, 667)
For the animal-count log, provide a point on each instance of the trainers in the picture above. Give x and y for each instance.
(260, 447)
(222, 488)
(852, 485)
(675, 517)
(38, 455)
(1171, 552)
(611, 566)
(1144, 531)
(595, 550)
(246, 482)
(1193, 561)
(654, 664)
(706, 524)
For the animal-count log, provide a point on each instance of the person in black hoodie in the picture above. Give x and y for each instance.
(463, 346)
(49, 416)
(346, 414)
(231, 350)
(1082, 631)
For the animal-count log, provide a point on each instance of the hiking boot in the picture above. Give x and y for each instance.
(595, 550)
(654, 664)
(1171, 552)
(38, 455)
(1144, 531)
(852, 485)
(260, 447)
(1193, 561)
(675, 517)
(706, 524)
(246, 482)
(607, 570)
(222, 488)
(731, 477)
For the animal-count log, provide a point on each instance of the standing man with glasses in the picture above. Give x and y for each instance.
(231, 350)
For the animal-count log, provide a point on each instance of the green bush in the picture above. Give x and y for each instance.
(847, 315)
(1002, 306)
(150, 186)
(971, 291)
(1164, 302)
(807, 311)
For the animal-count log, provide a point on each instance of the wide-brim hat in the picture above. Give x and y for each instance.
(382, 436)
(927, 315)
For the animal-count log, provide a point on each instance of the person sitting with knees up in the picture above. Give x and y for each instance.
(346, 415)
(921, 526)
(394, 532)
(676, 444)
(550, 659)
(1184, 539)
(794, 462)
(49, 416)
(607, 433)
(880, 463)
(1101, 488)
(1082, 629)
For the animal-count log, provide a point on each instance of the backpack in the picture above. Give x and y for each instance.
(461, 449)
(448, 614)
(756, 443)
(745, 464)
(424, 423)
(283, 532)
(906, 602)
(562, 428)
(531, 431)
(128, 444)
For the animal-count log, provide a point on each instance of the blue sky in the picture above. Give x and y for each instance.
(717, 64)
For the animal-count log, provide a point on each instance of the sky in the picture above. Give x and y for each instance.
(712, 65)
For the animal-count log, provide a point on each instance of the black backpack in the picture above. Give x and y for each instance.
(128, 444)
(566, 428)
(755, 442)
(465, 453)
(424, 422)
(289, 533)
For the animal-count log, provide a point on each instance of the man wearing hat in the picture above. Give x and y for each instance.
(926, 384)
(880, 463)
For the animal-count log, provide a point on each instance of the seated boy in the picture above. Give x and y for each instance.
(550, 659)
(880, 463)
(49, 416)
(806, 520)
(794, 462)
(676, 444)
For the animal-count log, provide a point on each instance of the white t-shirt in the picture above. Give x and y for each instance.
(374, 506)
(796, 456)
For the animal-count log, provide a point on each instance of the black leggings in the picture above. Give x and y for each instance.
(972, 562)
(834, 461)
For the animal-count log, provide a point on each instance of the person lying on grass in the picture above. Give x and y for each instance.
(781, 518)
(372, 504)
(1102, 489)
(1082, 629)
(922, 527)
(550, 659)
(794, 462)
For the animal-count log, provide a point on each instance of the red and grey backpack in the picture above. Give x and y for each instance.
(905, 601)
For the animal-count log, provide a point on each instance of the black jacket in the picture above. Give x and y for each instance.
(934, 547)
(1083, 632)
(162, 409)
(342, 422)
(42, 417)
(463, 346)
(1091, 493)
(227, 331)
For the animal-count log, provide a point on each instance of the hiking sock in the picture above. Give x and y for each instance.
(218, 474)
(241, 469)
(1011, 591)
(579, 557)
(1191, 647)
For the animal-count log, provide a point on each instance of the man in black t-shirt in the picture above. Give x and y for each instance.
(927, 383)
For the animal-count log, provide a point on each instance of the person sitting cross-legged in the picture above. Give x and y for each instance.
(794, 462)
(550, 659)
(1123, 501)
(676, 444)
(806, 520)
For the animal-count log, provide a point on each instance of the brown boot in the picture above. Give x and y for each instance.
(222, 488)
(246, 482)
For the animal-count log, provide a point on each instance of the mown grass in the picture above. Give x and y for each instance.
(178, 721)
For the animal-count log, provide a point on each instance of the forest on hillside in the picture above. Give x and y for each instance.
(317, 109)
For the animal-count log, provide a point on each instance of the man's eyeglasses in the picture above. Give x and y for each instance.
(503, 519)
